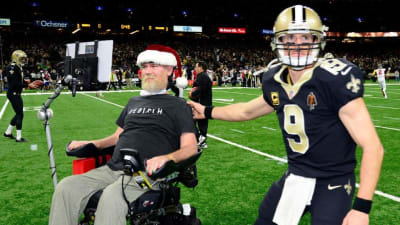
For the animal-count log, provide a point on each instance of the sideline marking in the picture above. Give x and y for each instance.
(389, 128)
(239, 131)
(269, 128)
(3, 109)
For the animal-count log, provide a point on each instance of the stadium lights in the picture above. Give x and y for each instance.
(134, 32)
(35, 4)
(125, 26)
(76, 30)
(99, 8)
(129, 10)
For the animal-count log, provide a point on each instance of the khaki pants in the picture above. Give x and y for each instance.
(72, 195)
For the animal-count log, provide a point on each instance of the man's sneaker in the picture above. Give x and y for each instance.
(203, 145)
(21, 140)
(202, 139)
(8, 136)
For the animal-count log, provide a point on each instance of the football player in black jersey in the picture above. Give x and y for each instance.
(323, 118)
(15, 78)
(159, 126)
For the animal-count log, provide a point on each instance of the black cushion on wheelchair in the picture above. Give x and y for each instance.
(170, 166)
(88, 150)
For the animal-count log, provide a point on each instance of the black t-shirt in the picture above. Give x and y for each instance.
(153, 126)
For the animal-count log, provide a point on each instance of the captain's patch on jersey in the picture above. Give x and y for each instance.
(275, 98)
(311, 101)
(354, 84)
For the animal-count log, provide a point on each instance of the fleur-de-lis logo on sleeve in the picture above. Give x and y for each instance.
(353, 84)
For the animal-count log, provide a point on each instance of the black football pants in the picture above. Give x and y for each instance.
(203, 127)
(18, 106)
(328, 206)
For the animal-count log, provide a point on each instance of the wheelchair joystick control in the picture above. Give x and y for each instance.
(130, 165)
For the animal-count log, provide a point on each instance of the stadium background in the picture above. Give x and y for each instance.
(25, 182)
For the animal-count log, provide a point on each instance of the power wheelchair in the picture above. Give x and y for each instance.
(155, 207)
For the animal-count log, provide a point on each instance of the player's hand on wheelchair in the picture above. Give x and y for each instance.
(155, 163)
(77, 144)
(197, 110)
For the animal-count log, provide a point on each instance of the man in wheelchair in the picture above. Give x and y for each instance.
(153, 130)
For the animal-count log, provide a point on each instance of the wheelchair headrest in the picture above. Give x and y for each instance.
(170, 166)
(88, 150)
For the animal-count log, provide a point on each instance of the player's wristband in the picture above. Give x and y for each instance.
(208, 111)
(362, 205)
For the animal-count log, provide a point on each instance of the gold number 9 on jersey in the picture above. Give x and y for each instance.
(294, 125)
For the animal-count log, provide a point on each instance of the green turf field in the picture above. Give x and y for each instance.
(232, 180)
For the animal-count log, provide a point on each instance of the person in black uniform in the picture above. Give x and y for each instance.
(202, 93)
(159, 126)
(171, 85)
(323, 118)
(15, 78)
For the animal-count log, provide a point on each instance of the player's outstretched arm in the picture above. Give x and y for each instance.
(235, 112)
(357, 121)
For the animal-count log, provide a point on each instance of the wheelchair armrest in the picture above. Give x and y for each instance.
(170, 166)
(89, 150)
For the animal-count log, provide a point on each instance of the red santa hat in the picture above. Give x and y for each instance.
(160, 54)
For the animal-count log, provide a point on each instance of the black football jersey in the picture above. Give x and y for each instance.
(15, 79)
(317, 143)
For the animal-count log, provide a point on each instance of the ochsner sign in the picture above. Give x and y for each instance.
(49, 23)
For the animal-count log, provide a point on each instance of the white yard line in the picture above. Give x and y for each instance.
(111, 103)
(388, 128)
(239, 131)
(79, 92)
(392, 99)
(380, 92)
(269, 128)
(231, 92)
(382, 107)
(226, 103)
(248, 149)
(377, 192)
(392, 118)
(378, 84)
(3, 109)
